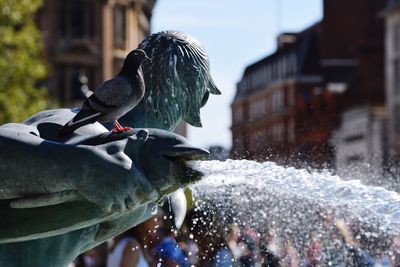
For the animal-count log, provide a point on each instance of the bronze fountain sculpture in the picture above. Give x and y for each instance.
(61, 196)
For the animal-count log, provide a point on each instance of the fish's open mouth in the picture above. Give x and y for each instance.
(182, 172)
(191, 174)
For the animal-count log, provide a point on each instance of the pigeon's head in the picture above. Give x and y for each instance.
(134, 59)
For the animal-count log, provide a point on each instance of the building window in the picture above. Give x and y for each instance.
(354, 159)
(238, 143)
(238, 114)
(89, 19)
(292, 67)
(120, 26)
(265, 76)
(253, 80)
(396, 69)
(62, 18)
(75, 19)
(278, 132)
(282, 68)
(248, 82)
(397, 120)
(278, 101)
(291, 131)
(257, 108)
(60, 72)
(285, 66)
(396, 37)
(257, 140)
(76, 16)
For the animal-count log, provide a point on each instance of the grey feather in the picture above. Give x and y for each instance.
(114, 92)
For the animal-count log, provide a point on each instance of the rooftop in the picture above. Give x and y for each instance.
(291, 58)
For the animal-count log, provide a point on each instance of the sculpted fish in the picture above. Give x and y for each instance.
(99, 176)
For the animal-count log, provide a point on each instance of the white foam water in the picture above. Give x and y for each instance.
(296, 204)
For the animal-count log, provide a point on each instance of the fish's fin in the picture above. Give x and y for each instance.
(44, 200)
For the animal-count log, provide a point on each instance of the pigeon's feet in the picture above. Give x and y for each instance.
(122, 129)
(118, 128)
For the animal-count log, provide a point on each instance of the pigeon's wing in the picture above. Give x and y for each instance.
(86, 115)
(110, 95)
(180, 73)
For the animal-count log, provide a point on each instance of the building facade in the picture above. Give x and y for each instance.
(392, 67)
(353, 61)
(359, 144)
(86, 41)
(273, 110)
(288, 104)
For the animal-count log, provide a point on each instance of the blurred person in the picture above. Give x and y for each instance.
(274, 243)
(385, 254)
(395, 252)
(223, 256)
(249, 248)
(313, 253)
(358, 257)
(165, 250)
(126, 251)
(90, 258)
(383, 261)
(333, 248)
(205, 232)
(268, 258)
(232, 241)
(229, 251)
(188, 246)
(249, 256)
(151, 243)
(136, 242)
(290, 256)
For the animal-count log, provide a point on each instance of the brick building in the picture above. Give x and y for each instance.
(273, 113)
(392, 67)
(89, 38)
(353, 58)
(288, 104)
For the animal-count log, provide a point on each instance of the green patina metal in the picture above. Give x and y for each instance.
(63, 196)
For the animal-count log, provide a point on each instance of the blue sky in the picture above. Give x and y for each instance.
(235, 34)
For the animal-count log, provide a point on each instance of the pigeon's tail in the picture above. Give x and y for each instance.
(84, 117)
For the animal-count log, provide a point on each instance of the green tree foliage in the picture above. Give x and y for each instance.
(22, 61)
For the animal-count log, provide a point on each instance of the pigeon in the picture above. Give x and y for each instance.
(178, 82)
(113, 98)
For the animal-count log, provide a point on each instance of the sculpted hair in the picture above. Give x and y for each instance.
(178, 80)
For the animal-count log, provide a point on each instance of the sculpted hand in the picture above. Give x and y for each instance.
(112, 181)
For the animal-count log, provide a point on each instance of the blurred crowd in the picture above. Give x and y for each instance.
(203, 242)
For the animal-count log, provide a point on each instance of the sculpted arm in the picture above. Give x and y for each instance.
(28, 162)
(32, 166)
